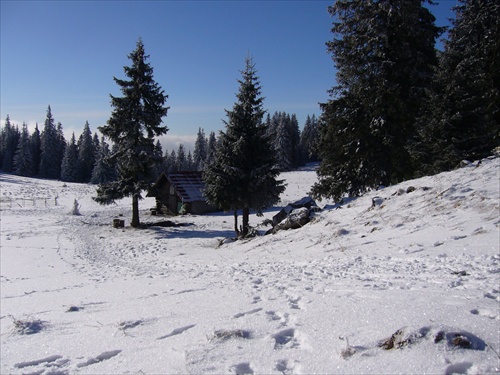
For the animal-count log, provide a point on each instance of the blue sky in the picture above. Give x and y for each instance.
(66, 53)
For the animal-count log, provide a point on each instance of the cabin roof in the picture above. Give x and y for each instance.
(188, 185)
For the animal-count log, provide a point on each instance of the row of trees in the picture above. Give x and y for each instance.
(84, 160)
(400, 109)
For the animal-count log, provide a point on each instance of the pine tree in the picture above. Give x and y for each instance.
(283, 143)
(211, 146)
(465, 116)
(22, 160)
(243, 172)
(172, 162)
(159, 161)
(70, 166)
(135, 121)
(104, 171)
(36, 150)
(200, 150)
(50, 161)
(10, 139)
(190, 162)
(308, 139)
(86, 155)
(181, 161)
(384, 53)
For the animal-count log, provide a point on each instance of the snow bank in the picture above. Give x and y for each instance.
(408, 284)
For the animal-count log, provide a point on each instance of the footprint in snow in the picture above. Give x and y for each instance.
(100, 358)
(242, 369)
(177, 331)
(239, 315)
(285, 338)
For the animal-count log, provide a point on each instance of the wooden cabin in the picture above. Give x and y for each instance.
(180, 193)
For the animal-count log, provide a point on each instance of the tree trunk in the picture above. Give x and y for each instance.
(246, 220)
(236, 223)
(135, 211)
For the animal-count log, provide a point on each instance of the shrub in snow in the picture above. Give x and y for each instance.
(230, 334)
(28, 327)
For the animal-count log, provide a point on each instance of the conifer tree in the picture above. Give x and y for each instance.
(36, 150)
(384, 53)
(308, 139)
(172, 162)
(243, 172)
(104, 169)
(464, 121)
(181, 161)
(211, 146)
(86, 155)
(10, 139)
(22, 159)
(135, 121)
(70, 166)
(189, 162)
(50, 161)
(200, 150)
(159, 161)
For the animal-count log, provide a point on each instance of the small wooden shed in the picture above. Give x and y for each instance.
(180, 192)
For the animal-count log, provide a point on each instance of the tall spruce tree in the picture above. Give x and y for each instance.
(243, 172)
(70, 167)
(464, 121)
(22, 160)
(211, 146)
(384, 53)
(10, 139)
(36, 150)
(200, 150)
(50, 159)
(308, 139)
(86, 154)
(135, 122)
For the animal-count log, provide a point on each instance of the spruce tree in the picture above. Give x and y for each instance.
(243, 172)
(50, 160)
(211, 146)
(159, 161)
(22, 160)
(70, 166)
(86, 154)
(135, 121)
(104, 171)
(172, 162)
(36, 150)
(200, 150)
(384, 54)
(181, 162)
(10, 139)
(308, 139)
(465, 116)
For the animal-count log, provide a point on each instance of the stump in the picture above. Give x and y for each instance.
(118, 223)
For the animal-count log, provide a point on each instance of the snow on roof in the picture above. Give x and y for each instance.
(188, 185)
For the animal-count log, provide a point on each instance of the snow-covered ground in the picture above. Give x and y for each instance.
(397, 281)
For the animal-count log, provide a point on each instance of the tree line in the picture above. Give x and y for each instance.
(47, 154)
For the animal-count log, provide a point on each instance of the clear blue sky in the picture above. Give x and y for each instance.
(66, 53)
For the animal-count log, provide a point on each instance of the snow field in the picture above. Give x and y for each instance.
(420, 259)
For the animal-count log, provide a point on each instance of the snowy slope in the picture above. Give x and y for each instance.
(418, 271)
